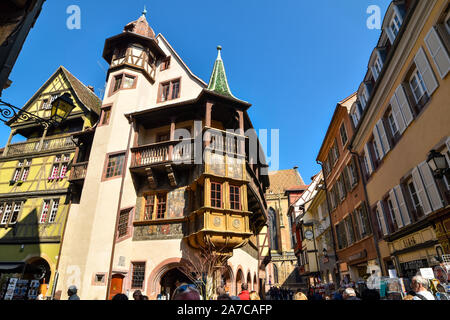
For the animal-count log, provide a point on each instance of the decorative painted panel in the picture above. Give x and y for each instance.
(158, 232)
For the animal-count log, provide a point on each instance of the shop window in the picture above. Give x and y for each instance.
(235, 200)
(138, 274)
(216, 195)
(114, 165)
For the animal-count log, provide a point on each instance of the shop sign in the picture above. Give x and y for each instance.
(427, 273)
(358, 256)
(343, 267)
(409, 242)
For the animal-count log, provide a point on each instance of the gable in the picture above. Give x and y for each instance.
(40, 103)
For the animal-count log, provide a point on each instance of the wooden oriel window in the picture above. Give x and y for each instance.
(138, 275)
(105, 116)
(165, 64)
(216, 195)
(124, 218)
(114, 166)
(235, 198)
(169, 90)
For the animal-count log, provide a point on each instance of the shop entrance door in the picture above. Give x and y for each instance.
(116, 285)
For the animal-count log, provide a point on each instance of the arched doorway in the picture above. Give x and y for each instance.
(239, 281)
(116, 285)
(38, 269)
(168, 280)
(226, 280)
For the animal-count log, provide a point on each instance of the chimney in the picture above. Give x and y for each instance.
(91, 88)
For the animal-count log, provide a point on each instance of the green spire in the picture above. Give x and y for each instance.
(218, 81)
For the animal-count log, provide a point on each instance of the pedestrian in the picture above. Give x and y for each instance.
(137, 295)
(244, 295)
(317, 296)
(222, 294)
(299, 295)
(420, 286)
(350, 294)
(144, 298)
(410, 296)
(254, 296)
(72, 292)
(185, 291)
(120, 296)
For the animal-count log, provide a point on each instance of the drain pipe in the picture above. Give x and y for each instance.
(338, 281)
(364, 182)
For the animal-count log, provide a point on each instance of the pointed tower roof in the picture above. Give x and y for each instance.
(140, 26)
(218, 82)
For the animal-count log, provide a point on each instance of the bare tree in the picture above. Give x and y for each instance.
(203, 268)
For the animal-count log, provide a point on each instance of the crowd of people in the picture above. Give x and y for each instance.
(184, 291)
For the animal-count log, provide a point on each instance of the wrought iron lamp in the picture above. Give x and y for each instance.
(437, 163)
(61, 109)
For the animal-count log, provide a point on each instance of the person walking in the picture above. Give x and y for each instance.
(254, 296)
(420, 285)
(350, 294)
(299, 295)
(244, 295)
(72, 292)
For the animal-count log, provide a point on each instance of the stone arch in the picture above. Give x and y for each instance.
(228, 277)
(255, 283)
(153, 282)
(249, 280)
(240, 278)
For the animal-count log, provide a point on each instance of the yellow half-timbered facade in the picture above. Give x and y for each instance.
(35, 192)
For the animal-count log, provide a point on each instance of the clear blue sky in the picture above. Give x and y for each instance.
(292, 59)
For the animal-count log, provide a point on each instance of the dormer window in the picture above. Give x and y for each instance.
(393, 21)
(377, 66)
(364, 97)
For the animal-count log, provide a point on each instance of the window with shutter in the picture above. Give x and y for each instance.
(421, 192)
(401, 203)
(6, 213)
(44, 212)
(368, 160)
(438, 52)
(377, 143)
(346, 176)
(430, 186)
(381, 218)
(383, 136)
(397, 114)
(404, 106)
(426, 71)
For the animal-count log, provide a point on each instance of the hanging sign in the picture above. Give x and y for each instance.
(427, 273)
(392, 273)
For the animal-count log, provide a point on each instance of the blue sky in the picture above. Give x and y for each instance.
(292, 59)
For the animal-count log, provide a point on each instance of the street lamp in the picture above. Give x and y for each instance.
(437, 163)
(61, 108)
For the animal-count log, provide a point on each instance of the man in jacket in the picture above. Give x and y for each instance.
(244, 295)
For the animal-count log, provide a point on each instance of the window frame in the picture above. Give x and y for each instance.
(165, 64)
(51, 202)
(170, 92)
(344, 143)
(105, 109)
(238, 194)
(22, 165)
(128, 232)
(13, 204)
(64, 160)
(105, 166)
(114, 89)
(132, 274)
(420, 84)
(220, 192)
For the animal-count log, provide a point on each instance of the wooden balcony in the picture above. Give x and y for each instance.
(48, 144)
(78, 172)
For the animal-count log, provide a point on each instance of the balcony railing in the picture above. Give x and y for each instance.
(78, 171)
(35, 146)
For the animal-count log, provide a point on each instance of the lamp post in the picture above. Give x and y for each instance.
(438, 164)
(61, 109)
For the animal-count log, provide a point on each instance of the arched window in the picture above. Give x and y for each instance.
(273, 229)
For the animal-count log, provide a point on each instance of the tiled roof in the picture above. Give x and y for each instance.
(86, 95)
(282, 180)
